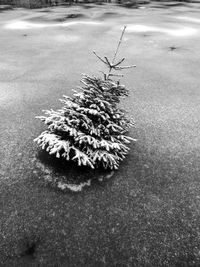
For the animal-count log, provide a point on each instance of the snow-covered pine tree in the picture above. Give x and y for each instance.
(90, 128)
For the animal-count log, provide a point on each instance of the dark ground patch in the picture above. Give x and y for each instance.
(5, 7)
(109, 14)
(58, 18)
(174, 4)
(29, 246)
(87, 6)
(169, 4)
(173, 47)
(129, 5)
(70, 16)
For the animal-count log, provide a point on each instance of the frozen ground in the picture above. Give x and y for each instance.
(148, 213)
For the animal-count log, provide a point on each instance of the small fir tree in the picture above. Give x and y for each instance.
(90, 128)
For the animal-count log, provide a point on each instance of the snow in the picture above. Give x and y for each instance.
(21, 25)
(73, 187)
(179, 32)
(189, 19)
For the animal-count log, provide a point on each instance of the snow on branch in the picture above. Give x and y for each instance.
(90, 128)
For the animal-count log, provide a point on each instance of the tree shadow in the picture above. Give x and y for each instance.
(69, 171)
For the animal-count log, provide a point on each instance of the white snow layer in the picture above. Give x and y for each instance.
(74, 187)
(179, 32)
(196, 20)
(21, 25)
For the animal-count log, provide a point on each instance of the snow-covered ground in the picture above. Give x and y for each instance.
(148, 211)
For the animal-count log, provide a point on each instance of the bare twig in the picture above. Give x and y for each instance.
(104, 75)
(108, 62)
(117, 75)
(111, 65)
(119, 43)
(119, 62)
(99, 57)
(125, 67)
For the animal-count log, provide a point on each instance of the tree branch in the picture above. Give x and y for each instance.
(119, 43)
(125, 67)
(99, 57)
